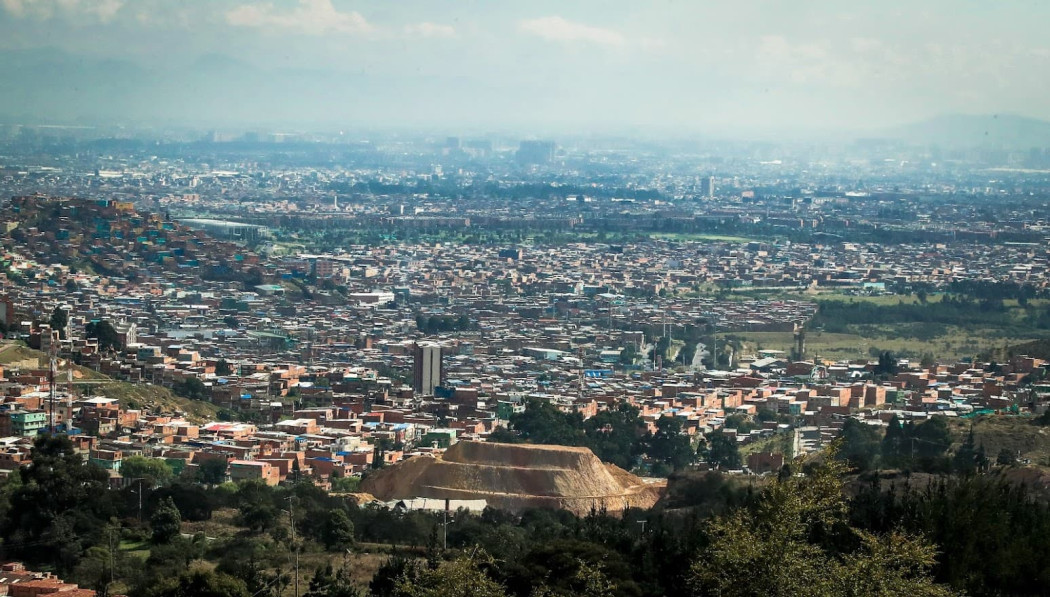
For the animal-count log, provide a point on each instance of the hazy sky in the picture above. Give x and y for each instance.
(672, 65)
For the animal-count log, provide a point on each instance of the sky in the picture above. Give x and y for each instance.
(609, 64)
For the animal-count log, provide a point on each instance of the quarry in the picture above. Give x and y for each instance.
(516, 477)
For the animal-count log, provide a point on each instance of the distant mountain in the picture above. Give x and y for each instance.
(1006, 131)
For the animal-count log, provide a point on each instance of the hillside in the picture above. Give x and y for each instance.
(1039, 349)
(1018, 435)
(88, 382)
(977, 130)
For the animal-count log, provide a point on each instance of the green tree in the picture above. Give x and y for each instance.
(788, 543)
(860, 444)
(152, 471)
(329, 583)
(628, 355)
(1006, 457)
(103, 331)
(669, 445)
(345, 484)
(462, 577)
(722, 451)
(212, 471)
(894, 443)
(222, 367)
(59, 320)
(166, 521)
(199, 583)
(192, 388)
(965, 460)
(887, 365)
(742, 423)
(338, 533)
(254, 500)
(58, 504)
(931, 440)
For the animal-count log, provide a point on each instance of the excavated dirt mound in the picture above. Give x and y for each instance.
(516, 477)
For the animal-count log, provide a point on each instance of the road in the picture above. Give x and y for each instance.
(698, 356)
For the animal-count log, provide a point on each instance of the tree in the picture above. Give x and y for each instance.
(722, 451)
(192, 388)
(893, 448)
(222, 367)
(212, 471)
(59, 320)
(462, 577)
(931, 440)
(860, 444)
(103, 331)
(345, 484)
(965, 460)
(338, 533)
(628, 354)
(152, 471)
(166, 521)
(254, 500)
(58, 503)
(669, 445)
(199, 583)
(328, 583)
(740, 422)
(887, 365)
(790, 542)
(1006, 457)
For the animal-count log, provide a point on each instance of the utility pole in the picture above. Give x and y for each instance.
(140, 498)
(444, 530)
(295, 546)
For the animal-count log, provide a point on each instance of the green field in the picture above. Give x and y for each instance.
(955, 344)
(685, 236)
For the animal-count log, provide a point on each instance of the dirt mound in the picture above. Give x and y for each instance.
(359, 499)
(516, 477)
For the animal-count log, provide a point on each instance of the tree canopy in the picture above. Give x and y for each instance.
(790, 542)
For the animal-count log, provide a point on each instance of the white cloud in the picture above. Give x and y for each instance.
(91, 10)
(313, 17)
(426, 29)
(558, 29)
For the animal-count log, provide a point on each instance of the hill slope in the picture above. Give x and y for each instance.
(87, 382)
(977, 130)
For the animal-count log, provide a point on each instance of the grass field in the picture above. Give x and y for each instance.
(700, 237)
(956, 343)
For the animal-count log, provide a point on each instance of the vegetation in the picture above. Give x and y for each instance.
(800, 534)
(617, 436)
(103, 331)
(797, 540)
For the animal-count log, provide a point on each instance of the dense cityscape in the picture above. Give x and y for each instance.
(307, 298)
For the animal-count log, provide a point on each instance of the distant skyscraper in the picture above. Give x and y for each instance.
(535, 152)
(707, 187)
(428, 371)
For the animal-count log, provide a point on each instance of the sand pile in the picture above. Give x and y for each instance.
(515, 477)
